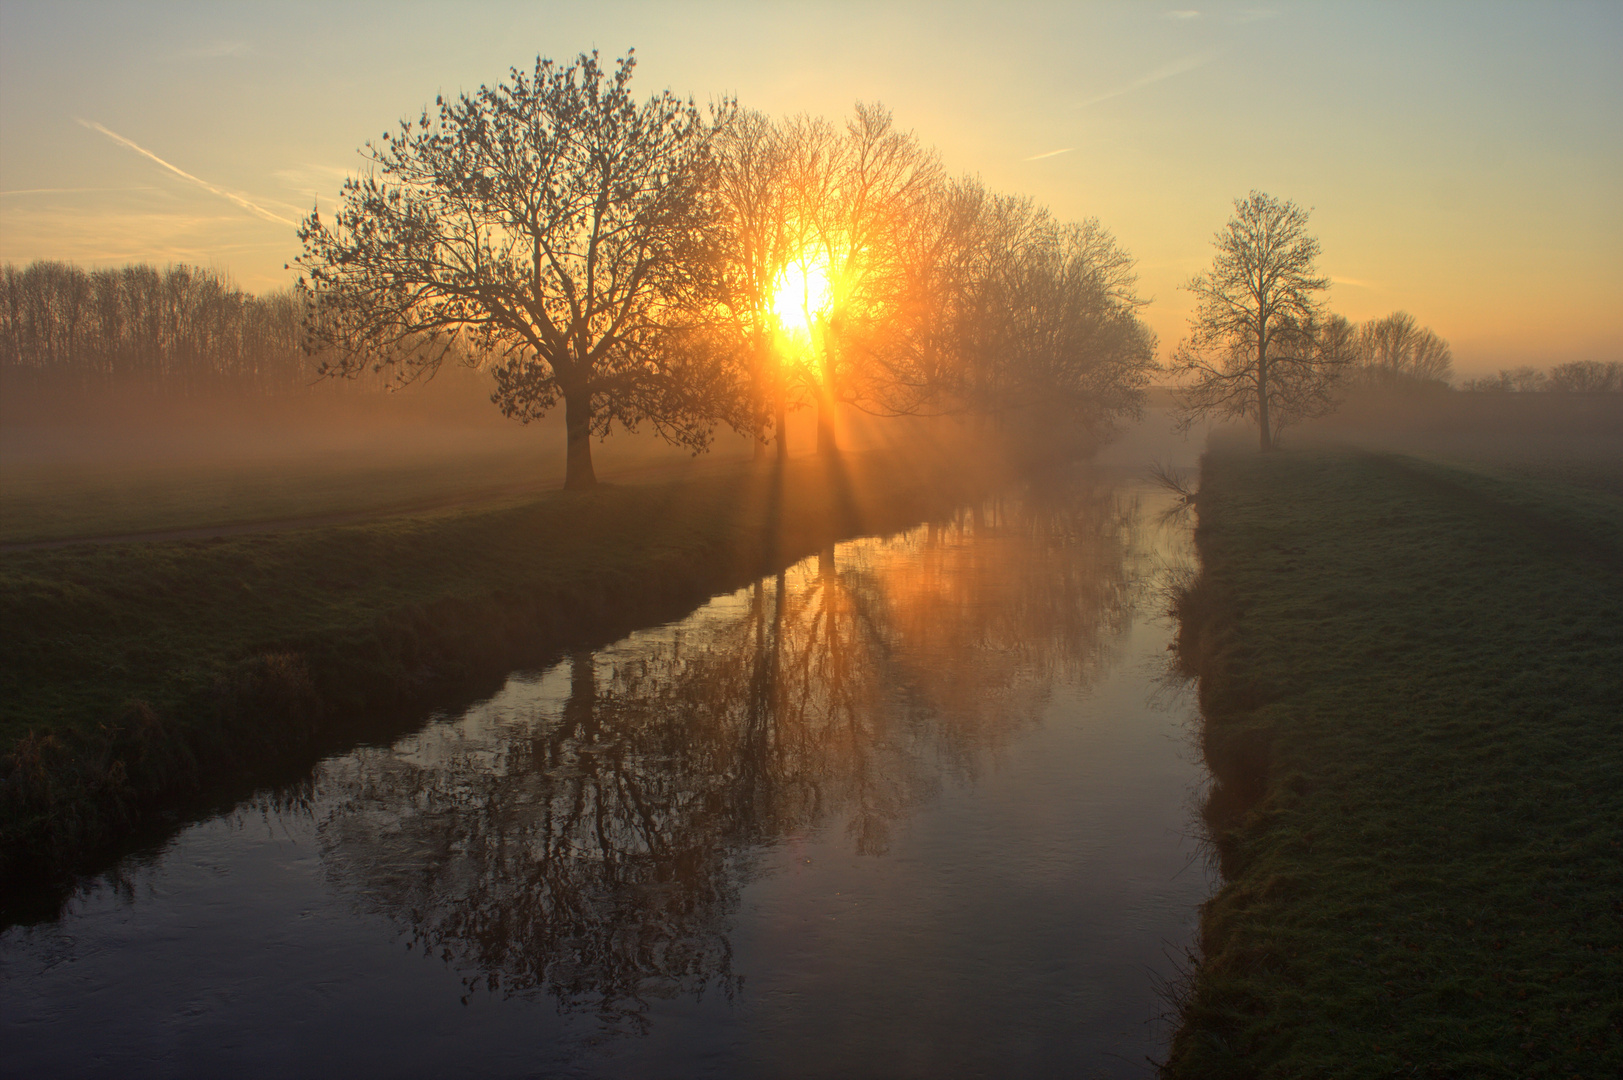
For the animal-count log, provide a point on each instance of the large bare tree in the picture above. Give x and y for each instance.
(1259, 344)
(550, 226)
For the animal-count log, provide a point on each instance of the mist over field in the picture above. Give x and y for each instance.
(119, 462)
(817, 540)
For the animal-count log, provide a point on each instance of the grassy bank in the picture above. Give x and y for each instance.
(131, 674)
(1412, 679)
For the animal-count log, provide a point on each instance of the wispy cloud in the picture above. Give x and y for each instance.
(1049, 154)
(1160, 74)
(231, 196)
(311, 181)
(1180, 15)
(1357, 283)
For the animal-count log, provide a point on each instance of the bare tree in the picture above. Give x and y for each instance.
(754, 188)
(1087, 357)
(554, 227)
(1007, 314)
(857, 193)
(1259, 345)
(994, 302)
(951, 252)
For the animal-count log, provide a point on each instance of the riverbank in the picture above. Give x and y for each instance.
(134, 674)
(1412, 683)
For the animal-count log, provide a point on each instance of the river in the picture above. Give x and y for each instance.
(920, 805)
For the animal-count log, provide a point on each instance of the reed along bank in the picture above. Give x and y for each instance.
(135, 676)
(1411, 677)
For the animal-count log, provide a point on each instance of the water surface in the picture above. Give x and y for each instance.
(912, 807)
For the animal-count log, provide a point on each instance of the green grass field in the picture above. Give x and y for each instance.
(66, 502)
(1412, 679)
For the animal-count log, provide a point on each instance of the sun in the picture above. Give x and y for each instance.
(802, 295)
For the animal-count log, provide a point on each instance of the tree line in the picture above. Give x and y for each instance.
(652, 263)
(1396, 352)
(1262, 345)
(1577, 377)
(179, 329)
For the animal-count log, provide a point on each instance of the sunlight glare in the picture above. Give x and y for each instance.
(803, 294)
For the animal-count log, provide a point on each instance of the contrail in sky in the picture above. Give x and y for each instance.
(1165, 71)
(1051, 153)
(252, 208)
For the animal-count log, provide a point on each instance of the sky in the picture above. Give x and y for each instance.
(1463, 162)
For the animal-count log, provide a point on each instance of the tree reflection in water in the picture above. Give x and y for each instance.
(596, 852)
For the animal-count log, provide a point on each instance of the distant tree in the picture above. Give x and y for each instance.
(1259, 344)
(178, 330)
(1522, 380)
(1007, 314)
(1587, 377)
(1396, 350)
(1526, 379)
(1087, 357)
(552, 226)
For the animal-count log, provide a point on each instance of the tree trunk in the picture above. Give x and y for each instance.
(580, 710)
(782, 422)
(578, 473)
(825, 566)
(758, 403)
(1262, 398)
(826, 445)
